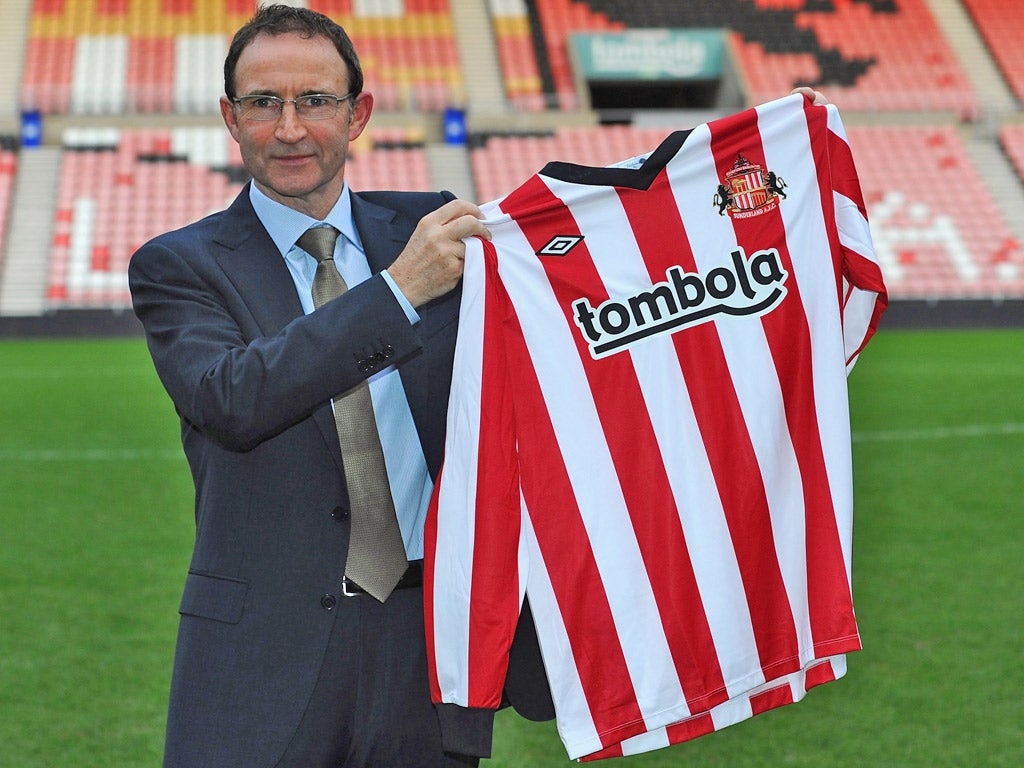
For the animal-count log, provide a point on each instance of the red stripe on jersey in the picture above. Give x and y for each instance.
(844, 179)
(701, 725)
(819, 674)
(494, 601)
(859, 271)
(817, 122)
(770, 699)
(429, 550)
(788, 334)
(563, 538)
(640, 465)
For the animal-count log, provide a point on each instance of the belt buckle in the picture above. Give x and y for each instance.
(345, 588)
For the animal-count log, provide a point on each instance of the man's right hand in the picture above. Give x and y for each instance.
(432, 261)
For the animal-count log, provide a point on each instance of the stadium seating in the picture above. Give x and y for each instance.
(524, 89)
(937, 229)
(166, 57)
(1000, 23)
(870, 55)
(119, 188)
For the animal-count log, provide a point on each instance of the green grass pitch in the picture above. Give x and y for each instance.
(95, 508)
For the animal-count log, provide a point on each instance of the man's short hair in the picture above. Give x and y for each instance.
(284, 19)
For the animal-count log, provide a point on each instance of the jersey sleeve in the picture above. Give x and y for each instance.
(864, 295)
(472, 593)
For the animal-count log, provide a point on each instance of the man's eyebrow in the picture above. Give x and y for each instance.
(271, 92)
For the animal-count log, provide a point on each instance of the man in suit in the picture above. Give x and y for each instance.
(280, 661)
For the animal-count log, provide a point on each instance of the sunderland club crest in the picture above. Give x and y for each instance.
(748, 190)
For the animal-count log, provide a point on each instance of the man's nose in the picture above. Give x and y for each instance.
(289, 124)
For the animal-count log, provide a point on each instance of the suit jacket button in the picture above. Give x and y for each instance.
(340, 514)
(327, 602)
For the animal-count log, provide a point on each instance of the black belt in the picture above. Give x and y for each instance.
(411, 579)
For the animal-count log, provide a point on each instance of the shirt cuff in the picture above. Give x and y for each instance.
(410, 310)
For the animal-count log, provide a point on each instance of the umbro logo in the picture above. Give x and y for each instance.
(559, 245)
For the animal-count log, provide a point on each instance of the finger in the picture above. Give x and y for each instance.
(455, 209)
(467, 226)
(817, 98)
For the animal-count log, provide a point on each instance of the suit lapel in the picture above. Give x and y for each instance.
(382, 239)
(255, 267)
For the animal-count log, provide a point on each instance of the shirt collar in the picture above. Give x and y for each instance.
(285, 225)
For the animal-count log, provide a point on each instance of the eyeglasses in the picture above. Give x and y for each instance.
(312, 106)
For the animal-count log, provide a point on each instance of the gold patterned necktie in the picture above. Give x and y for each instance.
(376, 552)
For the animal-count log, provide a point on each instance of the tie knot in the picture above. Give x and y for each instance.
(318, 242)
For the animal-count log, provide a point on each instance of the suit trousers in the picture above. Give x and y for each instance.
(371, 705)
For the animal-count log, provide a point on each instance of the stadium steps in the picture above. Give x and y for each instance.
(994, 94)
(481, 74)
(449, 169)
(27, 260)
(13, 23)
(1001, 180)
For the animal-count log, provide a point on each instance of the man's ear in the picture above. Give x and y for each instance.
(362, 107)
(227, 111)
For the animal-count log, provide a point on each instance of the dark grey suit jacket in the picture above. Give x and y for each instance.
(251, 378)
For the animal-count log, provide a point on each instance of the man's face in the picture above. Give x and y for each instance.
(297, 162)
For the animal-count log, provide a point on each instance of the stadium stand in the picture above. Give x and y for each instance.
(120, 187)
(937, 229)
(858, 49)
(518, 60)
(108, 57)
(133, 146)
(1000, 23)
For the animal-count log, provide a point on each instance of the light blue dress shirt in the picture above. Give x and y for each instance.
(411, 485)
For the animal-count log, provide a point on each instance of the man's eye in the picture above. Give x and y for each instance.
(264, 102)
(315, 101)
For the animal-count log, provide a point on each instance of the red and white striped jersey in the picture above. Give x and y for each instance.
(648, 433)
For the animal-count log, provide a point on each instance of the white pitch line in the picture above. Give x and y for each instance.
(42, 374)
(939, 433)
(91, 454)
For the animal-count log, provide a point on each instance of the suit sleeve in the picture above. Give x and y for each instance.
(232, 378)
